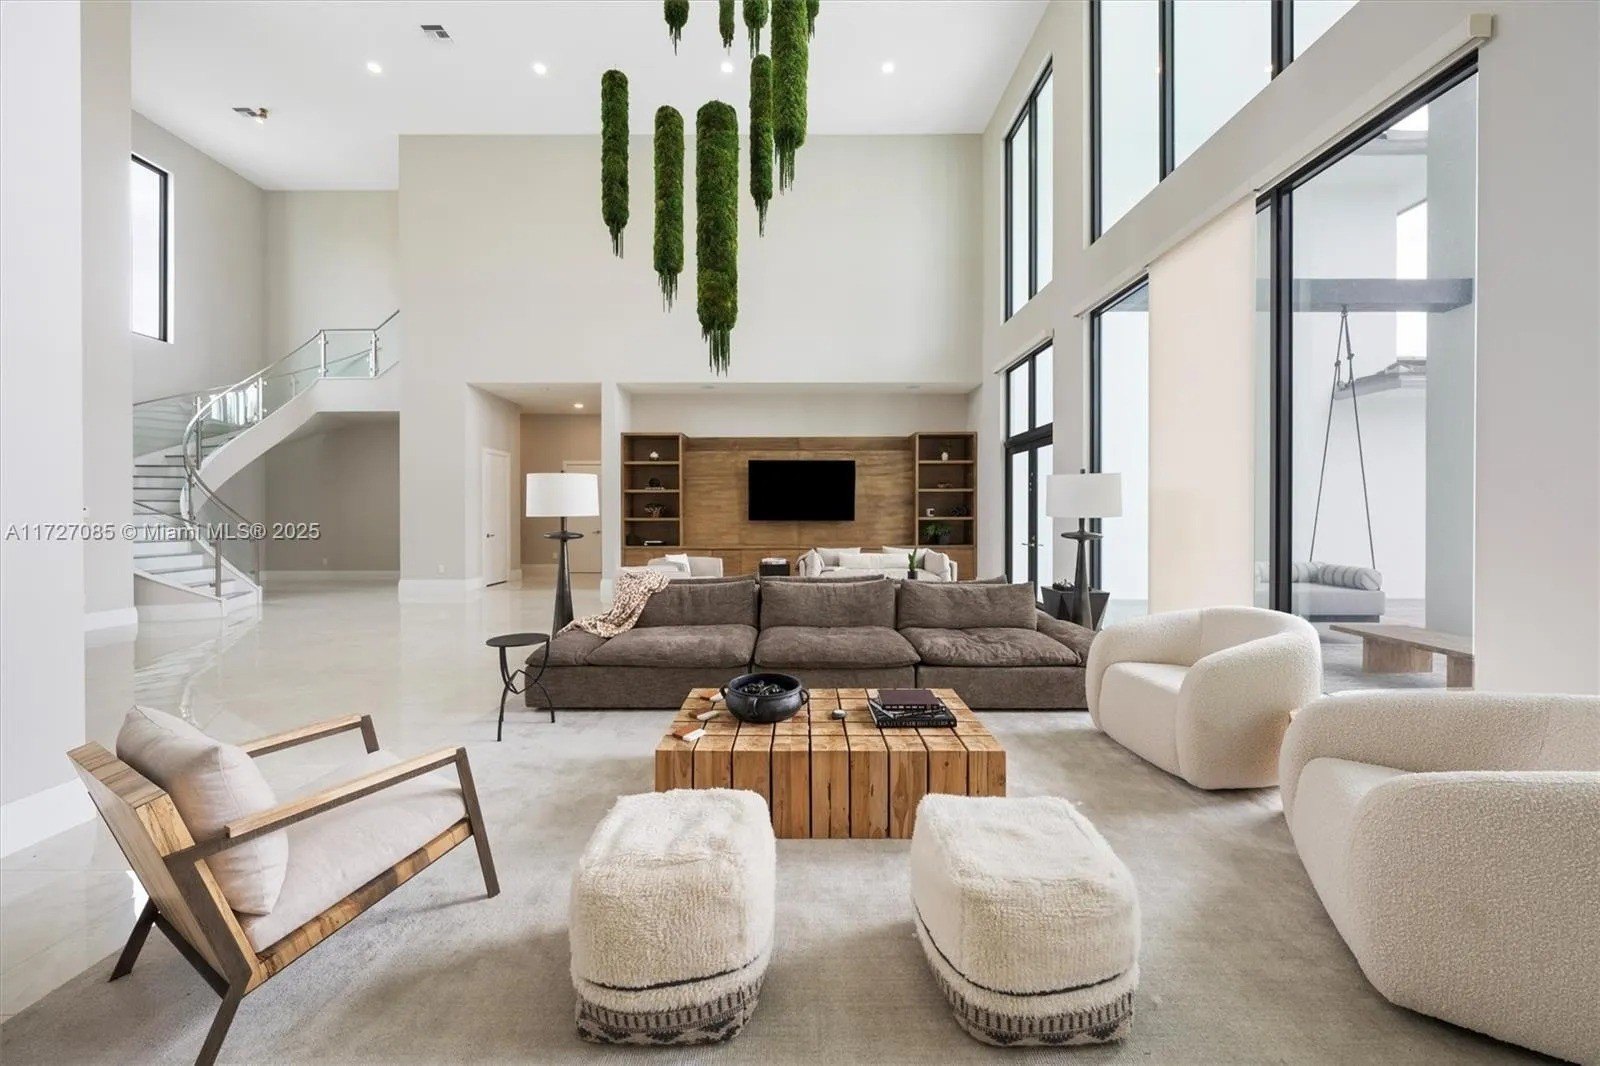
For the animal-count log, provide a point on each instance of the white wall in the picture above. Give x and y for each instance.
(799, 414)
(332, 263)
(107, 369)
(868, 273)
(346, 479)
(1536, 568)
(41, 416)
(218, 272)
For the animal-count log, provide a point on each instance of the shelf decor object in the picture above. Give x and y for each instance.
(614, 154)
(725, 23)
(677, 15)
(669, 201)
(1083, 496)
(755, 17)
(790, 59)
(761, 138)
(562, 496)
(716, 246)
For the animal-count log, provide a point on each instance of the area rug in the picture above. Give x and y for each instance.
(1239, 964)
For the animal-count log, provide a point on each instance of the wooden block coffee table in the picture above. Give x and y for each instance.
(825, 777)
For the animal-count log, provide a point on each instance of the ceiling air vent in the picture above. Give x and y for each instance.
(437, 32)
(257, 113)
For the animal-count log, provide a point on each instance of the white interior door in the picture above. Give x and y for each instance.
(583, 556)
(496, 516)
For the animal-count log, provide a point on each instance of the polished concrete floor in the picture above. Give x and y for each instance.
(421, 670)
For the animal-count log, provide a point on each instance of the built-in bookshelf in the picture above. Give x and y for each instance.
(947, 494)
(652, 490)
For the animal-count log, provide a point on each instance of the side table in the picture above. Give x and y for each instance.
(508, 676)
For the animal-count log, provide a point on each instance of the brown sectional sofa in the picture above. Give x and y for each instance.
(986, 640)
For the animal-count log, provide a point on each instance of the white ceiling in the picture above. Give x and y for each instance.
(333, 125)
(550, 398)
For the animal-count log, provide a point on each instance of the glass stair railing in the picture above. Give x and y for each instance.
(173, 435)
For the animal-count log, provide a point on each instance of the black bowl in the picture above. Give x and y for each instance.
(765, 710)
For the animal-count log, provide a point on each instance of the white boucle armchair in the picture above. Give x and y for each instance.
(1204, 694)
(1454, 838)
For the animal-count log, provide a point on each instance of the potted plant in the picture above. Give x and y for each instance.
(936, 533)
(913, 564)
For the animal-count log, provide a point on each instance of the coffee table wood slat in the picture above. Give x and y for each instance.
(823, 777)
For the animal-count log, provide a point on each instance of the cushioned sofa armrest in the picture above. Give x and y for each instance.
(1440, 731)
(1159, 638)
(296, 810)
(316, 731)
(1492, 874)
(1236, 704)
(1071, 634)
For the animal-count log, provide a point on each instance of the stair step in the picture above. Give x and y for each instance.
(157, 493)
(159, 549)
(199, 575)
(176, 563)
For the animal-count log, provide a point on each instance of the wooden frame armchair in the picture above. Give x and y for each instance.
(185, 902)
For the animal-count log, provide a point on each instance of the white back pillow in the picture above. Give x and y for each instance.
(211, 784)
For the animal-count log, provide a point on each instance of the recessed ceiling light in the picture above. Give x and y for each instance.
(727, 66)
(578, 406)
(374, 67)
(540, 69)
(888, 66)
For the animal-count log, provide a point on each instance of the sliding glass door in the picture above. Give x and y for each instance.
(1119, 443)
(1030, 403)
(1373, 366)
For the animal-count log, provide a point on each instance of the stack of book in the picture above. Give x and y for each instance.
(909, 708)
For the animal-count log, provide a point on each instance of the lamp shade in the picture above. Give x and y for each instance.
(562, 495)
(1083, 496)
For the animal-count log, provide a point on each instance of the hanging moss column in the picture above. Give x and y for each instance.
(812, 7)
(669, 201)
(716, 231)
(755, 17)
(789, 61)
(677, 14)
(761, 137)
(725, 23)
(614, 154)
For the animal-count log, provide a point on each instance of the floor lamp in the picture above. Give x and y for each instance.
(562, 496)
(1083, 496)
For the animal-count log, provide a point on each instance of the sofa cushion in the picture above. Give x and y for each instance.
(833, 647)
(830, 556)
(1348, 577)
(828, 603)
(727, 646)
(211, 784)
(334, 853)
(989, 647)
(965, 605)
(710, 601)
(1139, 710)
(571, 648)
(1074, 636)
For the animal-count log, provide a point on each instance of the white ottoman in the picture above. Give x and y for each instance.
(1029, 920)
(671, 924)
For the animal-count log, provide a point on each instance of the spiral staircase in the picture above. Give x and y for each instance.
(195, 554)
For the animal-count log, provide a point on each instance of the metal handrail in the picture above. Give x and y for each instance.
(195, 427)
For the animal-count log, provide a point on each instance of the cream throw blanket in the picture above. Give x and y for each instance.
(634, 589)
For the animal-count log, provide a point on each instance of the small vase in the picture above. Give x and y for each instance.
(944, 457)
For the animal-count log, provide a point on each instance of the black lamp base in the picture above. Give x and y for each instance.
(563, 612)
(1082, 606)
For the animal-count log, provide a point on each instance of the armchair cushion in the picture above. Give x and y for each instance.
(211, 784)
(989, 647)
(334, 853)
(1148, 696)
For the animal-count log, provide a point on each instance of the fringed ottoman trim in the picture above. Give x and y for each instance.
(1096, 1025)
(699, 1023)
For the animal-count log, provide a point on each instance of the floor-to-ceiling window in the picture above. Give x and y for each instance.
(1125, 46)
(1119, 443)
(1221, 57)
(1373, 494)
(1030, 203)
(1030, 390)
(149, 233)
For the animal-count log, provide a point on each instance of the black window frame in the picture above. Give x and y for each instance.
(1096, 424)
(1029, 441)
(164, 252)
(1280, 201)
(1028, 111)
(1166, 96)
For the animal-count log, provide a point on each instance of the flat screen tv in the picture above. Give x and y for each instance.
(802, 490)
